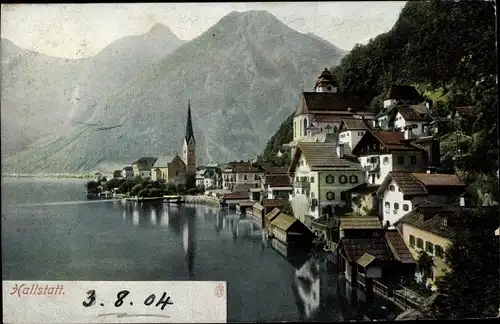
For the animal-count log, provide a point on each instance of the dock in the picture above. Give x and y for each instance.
(173, 199)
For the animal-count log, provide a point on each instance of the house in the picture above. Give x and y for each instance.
(277, 186)
(214, 173)
(200, 178)
(245, 205)
(117, 174)
(208, 178)
(380, 152)
(128, 172)
(417, 117)
(363, 199)
(351, 131)
(395, 96)
(142, 167)
(290, 231)
(321, 111)
(242, 173)
(367, 252)
(168, 168)
(426, 228)
(270, 204)
(402, 191)
(233, 198)
(322, 174)
(258, 213)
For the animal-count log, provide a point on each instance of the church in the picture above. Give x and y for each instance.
(175, 168)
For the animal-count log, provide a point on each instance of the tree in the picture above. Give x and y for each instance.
(190, 181)
(470, 288)
(425, 263)
(92, 186)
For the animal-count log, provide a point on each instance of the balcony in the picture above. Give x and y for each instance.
(302, 184)
(372, 167)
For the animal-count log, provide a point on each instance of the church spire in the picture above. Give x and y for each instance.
(189, 125)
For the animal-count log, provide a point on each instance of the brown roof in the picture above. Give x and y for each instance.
(398, 247)
(278, 180)
(329, 101)
(245, 167)
(433, 221)
(327, 118)
(236, 195)
(284, 221)
(402, 92)
(258, 206)
(272, 214)
(276, 170)
(360, 223)
(395, 141)
(436, 179)
(355, 248)
(274, 202)
(246, 203)
(414, 184)
(411, 113)
(366, 259)
(322, 156)
(245, 186)
(354, 124)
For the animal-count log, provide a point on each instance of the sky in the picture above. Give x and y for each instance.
(81, 30)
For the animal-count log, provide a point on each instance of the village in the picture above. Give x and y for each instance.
(366, 189)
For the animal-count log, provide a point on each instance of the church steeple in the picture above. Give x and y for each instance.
(189, 126)
(326, 82)
(189, 147)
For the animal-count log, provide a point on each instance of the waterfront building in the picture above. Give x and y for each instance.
(189, 146)
(322, 174)
(290, 231)
(242, 173)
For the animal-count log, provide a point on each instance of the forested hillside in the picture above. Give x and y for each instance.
(447, 50)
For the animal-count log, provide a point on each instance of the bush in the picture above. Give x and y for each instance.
(113, 183)
(143, 193)
(126, 186)
(135, 190)
(192, 191)
(91, 186)
(155, 192)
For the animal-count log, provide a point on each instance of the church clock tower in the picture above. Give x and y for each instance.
(189, 147)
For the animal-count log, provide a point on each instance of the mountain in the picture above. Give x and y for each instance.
(43, 95)
(243, 77)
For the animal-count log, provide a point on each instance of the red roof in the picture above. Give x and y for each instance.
(236, 195)
(278, 180)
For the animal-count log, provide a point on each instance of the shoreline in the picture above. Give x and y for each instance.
(49, 176)
(202, 200)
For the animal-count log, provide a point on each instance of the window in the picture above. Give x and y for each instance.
(301, 162)
(312, 179)
(445, 222)
(353, 179)
(256, 177)
(413, 159)
(343, 179)
(406, 207)
(335, 129)
(330, 195)
(360, 133)
(396, 206)
(386, 160)
(387, 204)
(245, 177)
(438, 251)
(378, 175)
(330, 179)
(429, 247)
(392, 188)
(423, 128)
(412, 240)
(401, 159)
(296, 179)
(420, 243)
(343, 196)
(312, 195)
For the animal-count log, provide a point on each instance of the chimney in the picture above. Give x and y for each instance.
(462, 201)
(408, 132)
(340, 150)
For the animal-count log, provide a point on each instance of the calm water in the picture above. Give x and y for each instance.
(51, 232)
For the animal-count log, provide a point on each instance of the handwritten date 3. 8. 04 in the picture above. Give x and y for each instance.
(120, 299)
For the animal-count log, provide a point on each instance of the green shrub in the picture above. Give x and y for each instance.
(155, 192)
(143, 193)
(192, 191)
(135, 190)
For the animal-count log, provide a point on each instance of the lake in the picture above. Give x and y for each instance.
(50, 231)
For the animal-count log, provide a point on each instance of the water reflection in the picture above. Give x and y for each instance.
(306, 288)
(189, 243)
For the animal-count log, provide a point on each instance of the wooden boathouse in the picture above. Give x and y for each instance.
(291, 231)
(269, 217)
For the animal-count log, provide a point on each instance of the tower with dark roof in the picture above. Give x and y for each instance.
(326, 82)
(189, 147)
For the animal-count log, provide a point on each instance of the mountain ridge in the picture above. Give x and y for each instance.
(242, 82)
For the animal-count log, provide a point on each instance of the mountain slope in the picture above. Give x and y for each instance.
(42, 95)
(243, 77)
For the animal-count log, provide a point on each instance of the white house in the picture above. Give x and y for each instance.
(128, 172)
(351, 131)
(402, 191)
(395, 96)
(415, 116)
(237, 173)
(277, 186)
(322, 173)
(381, 152)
